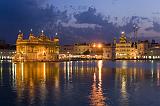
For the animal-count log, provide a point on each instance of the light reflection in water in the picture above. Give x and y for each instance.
(124, 94)
(152, 68)
(121, 75)
(64, 68)
(158, 74)
(96, 96)
(1, 73)
(33, 76)
(13, 75)
(124, 64)
(68, 71)
(40, 82)
(127, 76)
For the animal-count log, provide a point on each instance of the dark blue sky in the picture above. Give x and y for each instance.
(59, 16)
(115, 7)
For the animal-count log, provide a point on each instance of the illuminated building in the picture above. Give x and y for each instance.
(34, 48)
(108, 51)
(76, 49)
(125, 49)
(6, 54)
(97, 49)
(147, 50)
(152, 53)
(81, 48)
(142, 47)
(66, 49)
(6, 50)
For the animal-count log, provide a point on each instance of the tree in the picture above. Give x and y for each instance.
(86, 52)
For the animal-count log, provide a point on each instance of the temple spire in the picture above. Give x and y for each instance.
(56, 34)
(31, 32)
(42, 32)
(20, 35)
(20, 31)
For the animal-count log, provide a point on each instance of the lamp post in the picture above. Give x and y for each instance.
(99, 46)
(68, 56)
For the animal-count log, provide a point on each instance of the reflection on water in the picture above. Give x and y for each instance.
(95, 83)
(1, 75)
(158, 74)
(34, 77)
(96, 96)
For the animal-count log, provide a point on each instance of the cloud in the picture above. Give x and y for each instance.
(155, 27)
(87, 25)
(26, 14)
(89, 17)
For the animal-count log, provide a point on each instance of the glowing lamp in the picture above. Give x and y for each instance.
(99, 45)
(123, 33)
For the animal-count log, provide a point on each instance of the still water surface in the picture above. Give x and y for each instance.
(80, 83)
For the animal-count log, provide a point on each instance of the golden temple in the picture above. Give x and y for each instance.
(40, 48)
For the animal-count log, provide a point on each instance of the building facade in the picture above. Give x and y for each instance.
(153, 52)
(34, 48)
(108, 52)
(6, 54)
(125, 49)
(76, 49)
(80, 49)
(6, 50)
(143, 47)
(66, 49)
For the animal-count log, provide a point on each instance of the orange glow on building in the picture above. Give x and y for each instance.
(40, 48)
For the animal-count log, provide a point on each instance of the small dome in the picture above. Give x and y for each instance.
(43, 37)
(31, 37)
(20, 35)
(123, 38)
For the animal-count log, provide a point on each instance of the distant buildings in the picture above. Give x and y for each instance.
(66, 49)
(152, 52)
(6, 50)
(120, 49)
(43, 48)
(6, 54)
(143, 48)
(74, 51)
(125, 49)
(86, 51)
(137, 50)
(34, 48)
(109, 51)
(80, 49)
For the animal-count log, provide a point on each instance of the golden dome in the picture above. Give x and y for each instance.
(43, 37)
(123, 38)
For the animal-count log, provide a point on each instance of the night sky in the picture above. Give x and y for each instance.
(79, 20)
